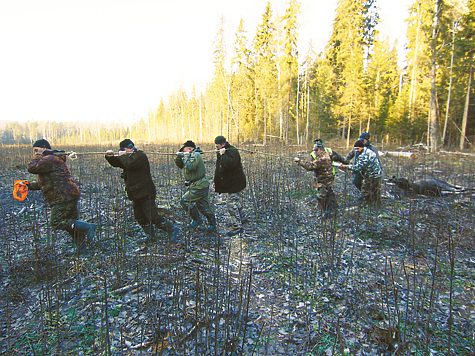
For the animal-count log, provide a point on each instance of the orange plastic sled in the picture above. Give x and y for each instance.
(20, 189)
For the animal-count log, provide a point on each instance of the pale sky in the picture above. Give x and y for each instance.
(113, 60)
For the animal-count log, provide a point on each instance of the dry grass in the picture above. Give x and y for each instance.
(399, 279)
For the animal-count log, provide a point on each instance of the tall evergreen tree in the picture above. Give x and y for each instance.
(381, 85)
(352, 36)
(321, 86)
(242, 84)
(264, 72)
(220, 86)
(467, 44)
(419, 65)
(447, 80)
(291, 66)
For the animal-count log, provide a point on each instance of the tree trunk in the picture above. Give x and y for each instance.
(450, 83)
(257, 108)
(414, 66)
(265, 119)
(307, 126)
(297, 109)
(433, 105)
(287, 121)
(465, 109)
(201, 122)
(281, 116)
(349, 124)
(349, 132)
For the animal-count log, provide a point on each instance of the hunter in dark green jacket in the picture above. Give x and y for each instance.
(195, 200)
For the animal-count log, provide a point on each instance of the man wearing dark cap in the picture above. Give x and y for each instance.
(195, 200)
(141, 190)
(358, 179)
(368, 165)
(229, 179)
(61, 193)
(321, 165)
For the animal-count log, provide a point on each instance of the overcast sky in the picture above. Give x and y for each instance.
(113, 60)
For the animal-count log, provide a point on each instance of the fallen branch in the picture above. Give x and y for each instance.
(126, 288)
(458, 153)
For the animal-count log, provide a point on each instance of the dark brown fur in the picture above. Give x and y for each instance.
(429, 186)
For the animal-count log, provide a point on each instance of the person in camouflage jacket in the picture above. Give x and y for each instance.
(335, 157)
(358, 179)
(141, 190)
(324, 178)
(369, 166)
(195, 200)
(60, 191)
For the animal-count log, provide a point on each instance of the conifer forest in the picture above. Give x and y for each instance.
(263, 90)
(395, 279)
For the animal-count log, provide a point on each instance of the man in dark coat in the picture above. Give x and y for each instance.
(61, 193)
(141, 190)
(229, 179)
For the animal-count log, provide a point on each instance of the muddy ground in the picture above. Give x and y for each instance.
(395, 281)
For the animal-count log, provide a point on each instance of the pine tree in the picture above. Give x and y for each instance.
(218, 91)
(291, 65)
(467, 44)
(351, 39)
(321, 86)
(450, 34)
(241, 84)
(381, 85)
(264, 73)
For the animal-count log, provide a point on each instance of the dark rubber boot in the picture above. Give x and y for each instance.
(329, 212)
(150, 235)
(195, 218)
(86, 229)
(211, 223)
(79, 241)
(194, 223)
(82, 234)
(172, 230)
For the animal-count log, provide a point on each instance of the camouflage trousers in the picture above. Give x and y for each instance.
(326, 198)
(234, 206)
(371, 191)
(196, 201)
(146, 212)
(358, 180)
(63, 215)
